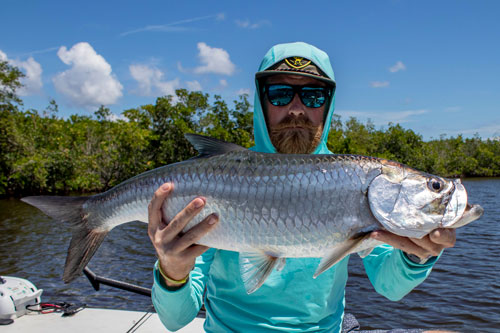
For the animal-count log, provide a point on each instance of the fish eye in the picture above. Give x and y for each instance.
(435, 185)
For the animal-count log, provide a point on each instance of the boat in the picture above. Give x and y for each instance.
(21, 310)
(95, 320)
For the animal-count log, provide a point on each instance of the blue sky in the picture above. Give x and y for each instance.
(432, 66)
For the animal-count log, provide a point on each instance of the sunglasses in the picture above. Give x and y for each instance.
(311, 96)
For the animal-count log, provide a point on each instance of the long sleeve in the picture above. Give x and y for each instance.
(392, 274)
(178, 308)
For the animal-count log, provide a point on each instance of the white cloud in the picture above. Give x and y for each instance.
(180, 68)
(50, 49)
(32, 82)
(150, 81)
(174, 26)
(223, 83)
(114, 117)
(214, 60)
(452, 109)
(485, 131)
(194, 85)
(243, 91)
(246, 24)
(379, 84)
(383, 117)
(89, 82)
(399, 66)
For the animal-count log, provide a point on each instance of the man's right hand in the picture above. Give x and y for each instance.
(176, 251)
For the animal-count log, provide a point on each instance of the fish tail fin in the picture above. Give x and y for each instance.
(85, 240)
(84, 244)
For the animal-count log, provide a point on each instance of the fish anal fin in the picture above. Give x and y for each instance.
(280, 265)
(355, 244)
(255, 267)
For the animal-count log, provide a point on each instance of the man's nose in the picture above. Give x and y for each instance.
(296, 107)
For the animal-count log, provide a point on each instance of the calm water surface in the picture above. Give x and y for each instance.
(462, 293)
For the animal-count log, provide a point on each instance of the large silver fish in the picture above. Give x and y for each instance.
(273, 206)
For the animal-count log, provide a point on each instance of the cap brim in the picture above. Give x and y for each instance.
(263, 74)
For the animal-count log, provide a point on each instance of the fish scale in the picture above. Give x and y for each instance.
(291, 181)
(272, 206)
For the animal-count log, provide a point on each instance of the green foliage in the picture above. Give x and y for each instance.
(49, 155)
(448, 157)
(44, 153)
(229, 125)
(9, 82)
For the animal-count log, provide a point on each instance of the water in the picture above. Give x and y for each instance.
(462, 293)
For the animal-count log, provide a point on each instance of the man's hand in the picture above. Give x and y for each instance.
(176, 251)
(428, 246)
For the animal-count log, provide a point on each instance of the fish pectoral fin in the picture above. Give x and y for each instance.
(365, 252)
(340, 252)
(366, 246)
(255, 267)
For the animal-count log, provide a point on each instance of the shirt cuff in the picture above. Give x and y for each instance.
(414, 261)
(160, 282)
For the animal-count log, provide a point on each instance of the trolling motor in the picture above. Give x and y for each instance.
(16, 295)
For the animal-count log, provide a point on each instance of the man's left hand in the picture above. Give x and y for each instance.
(428, 246)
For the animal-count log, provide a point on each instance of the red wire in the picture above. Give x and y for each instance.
(49, 308)
(50, 305)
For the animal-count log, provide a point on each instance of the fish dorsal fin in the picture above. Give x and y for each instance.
(207, 146)
(256, 267)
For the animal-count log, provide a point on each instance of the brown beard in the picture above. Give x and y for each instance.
(295, 136)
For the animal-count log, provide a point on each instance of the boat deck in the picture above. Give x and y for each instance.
(96, 320)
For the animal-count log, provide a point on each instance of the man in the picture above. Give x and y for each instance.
(294, 103)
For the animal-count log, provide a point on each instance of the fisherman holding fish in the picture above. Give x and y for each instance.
(262, 237)
(293, 108)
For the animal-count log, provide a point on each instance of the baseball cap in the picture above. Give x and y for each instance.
(296, 66)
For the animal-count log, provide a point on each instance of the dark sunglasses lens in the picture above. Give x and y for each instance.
(313, 97)
(279, 95)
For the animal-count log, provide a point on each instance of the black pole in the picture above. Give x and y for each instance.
(96, 280)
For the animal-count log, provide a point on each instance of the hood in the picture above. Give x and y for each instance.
(274, 55)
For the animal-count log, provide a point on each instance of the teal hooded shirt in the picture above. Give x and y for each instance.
(273, 56)
(290, 300)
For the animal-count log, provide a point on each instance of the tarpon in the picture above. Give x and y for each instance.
(272, 206)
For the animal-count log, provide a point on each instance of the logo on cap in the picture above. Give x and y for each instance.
(297, 62)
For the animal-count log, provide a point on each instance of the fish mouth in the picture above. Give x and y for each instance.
(456, 205)
(458, 211)
(472, 213)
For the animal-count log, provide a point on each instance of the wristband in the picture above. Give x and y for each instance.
(416, 259)
(165, 276)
